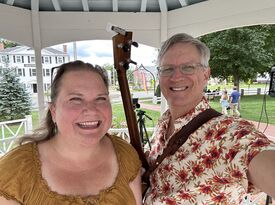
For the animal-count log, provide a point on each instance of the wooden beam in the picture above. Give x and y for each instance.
(115, 5)
(163, 5)
(56, 5)
(143, 6)
(85, 5)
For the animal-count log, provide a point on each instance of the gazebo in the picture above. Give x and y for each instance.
(44, 23)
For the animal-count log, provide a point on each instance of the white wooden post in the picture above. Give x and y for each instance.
(28, 124)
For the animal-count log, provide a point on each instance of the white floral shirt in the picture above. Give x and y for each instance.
(210, 167)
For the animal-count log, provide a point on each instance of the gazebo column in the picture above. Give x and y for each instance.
(38, 62)
(163, 37)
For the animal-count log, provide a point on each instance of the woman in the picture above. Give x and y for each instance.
(73, 160)
(224, 102)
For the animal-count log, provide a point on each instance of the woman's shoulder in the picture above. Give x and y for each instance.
(18, 159)
(17, 170)
(122, 145)
(127, 155)
(21, 152)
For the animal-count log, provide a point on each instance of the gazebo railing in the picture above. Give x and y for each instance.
(10, 130)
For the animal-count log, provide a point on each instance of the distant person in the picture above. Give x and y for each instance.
(235, 102)
(225, 102)
(73, 160)
(223, 159)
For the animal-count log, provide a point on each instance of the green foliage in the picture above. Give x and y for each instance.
(158, 91)
(9, 44)
(241, 52)
(15, 102)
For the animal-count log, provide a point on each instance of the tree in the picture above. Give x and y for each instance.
(8, 44)
(111, 70)
(240, 53)
(15, 102)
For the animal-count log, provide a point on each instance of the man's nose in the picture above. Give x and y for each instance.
(177, 74)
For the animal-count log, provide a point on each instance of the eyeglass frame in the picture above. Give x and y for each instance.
(194, 67)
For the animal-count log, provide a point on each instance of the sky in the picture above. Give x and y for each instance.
(100, 52)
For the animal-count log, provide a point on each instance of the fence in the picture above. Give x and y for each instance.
(10, 130)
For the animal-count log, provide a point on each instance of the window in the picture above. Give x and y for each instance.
(34, 88)
(18, 59)
(32, 72)
(59, 60)
(46, 59)
(5, 59)
(46, 72)
(21, 71)
(46, 86)
(32, 59)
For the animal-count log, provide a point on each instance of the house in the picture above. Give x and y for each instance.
(22, 59)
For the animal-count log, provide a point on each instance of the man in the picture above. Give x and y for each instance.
(223, 159)
(235, 102)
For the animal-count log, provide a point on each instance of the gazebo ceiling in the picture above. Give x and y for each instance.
(43, 23)
(101, 5)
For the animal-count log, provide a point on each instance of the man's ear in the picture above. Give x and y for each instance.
(52, 110)
(206, 74)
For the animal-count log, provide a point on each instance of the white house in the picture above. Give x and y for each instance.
(22, 58)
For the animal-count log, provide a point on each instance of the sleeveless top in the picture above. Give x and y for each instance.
(21, 179)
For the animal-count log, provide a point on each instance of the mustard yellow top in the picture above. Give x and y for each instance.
(21, 179)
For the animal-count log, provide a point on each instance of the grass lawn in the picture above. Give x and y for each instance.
(119, 119)
(251, 108)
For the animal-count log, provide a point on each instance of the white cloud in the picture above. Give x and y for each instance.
(101, 52)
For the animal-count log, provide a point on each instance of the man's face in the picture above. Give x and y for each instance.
(183, 91)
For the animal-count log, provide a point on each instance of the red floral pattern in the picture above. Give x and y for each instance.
(210, 167)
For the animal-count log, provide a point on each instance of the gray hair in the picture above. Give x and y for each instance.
(185, 38)
(49, 128)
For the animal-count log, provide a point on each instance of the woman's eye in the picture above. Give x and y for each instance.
(76, 100)
(102, 98)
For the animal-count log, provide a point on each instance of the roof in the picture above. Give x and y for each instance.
(101, 5)
(25, 50)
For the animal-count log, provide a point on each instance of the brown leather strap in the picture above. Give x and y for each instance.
(180, 138)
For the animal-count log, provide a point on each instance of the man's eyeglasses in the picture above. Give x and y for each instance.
(186, 69)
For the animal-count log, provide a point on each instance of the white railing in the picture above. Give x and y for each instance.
(10, 130)
(9, 135)
(124, 134)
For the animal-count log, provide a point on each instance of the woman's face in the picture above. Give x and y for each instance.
(82, 110)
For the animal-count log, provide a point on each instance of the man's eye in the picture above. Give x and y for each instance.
(188, 68)
(167, 70)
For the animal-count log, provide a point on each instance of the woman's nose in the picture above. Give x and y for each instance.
(89, 107)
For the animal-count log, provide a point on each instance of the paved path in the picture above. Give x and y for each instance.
(269, 131)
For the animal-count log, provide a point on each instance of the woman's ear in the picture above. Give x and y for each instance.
(52, 110)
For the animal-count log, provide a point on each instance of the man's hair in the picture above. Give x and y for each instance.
(185, 38)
